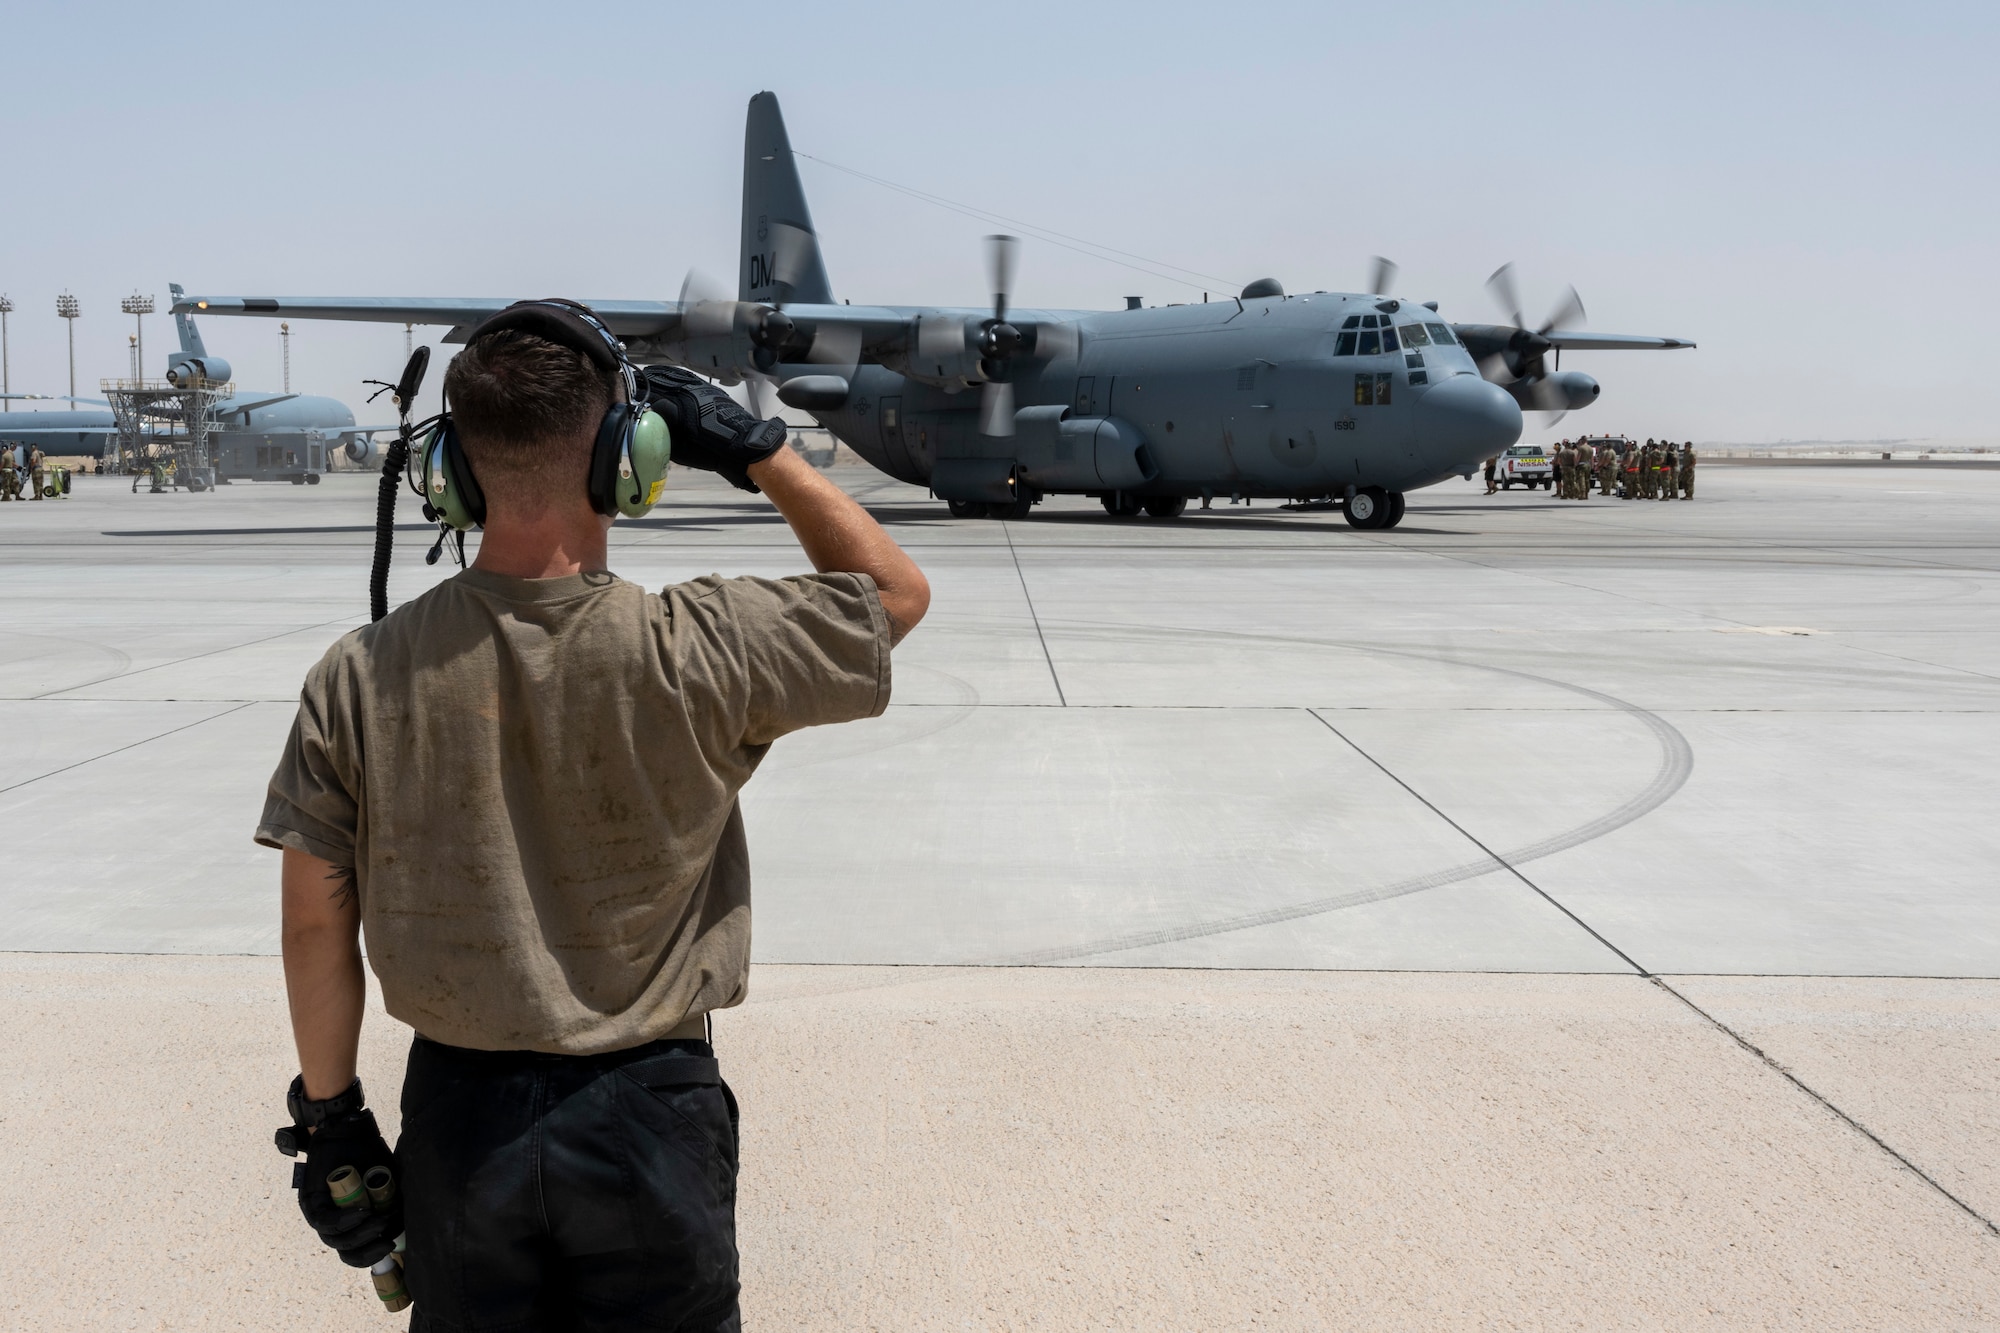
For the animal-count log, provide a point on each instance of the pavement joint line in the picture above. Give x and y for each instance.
(1816, 1096)
(956, 969)
(148, 740)
(1677, 763)
(1029, 598)
(1498, 860)
(192, 657)
(1845, 642)
(1658, 981)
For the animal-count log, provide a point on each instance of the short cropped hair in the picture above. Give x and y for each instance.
(527, 412)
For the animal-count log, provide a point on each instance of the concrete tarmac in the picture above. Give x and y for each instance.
(1543, 914)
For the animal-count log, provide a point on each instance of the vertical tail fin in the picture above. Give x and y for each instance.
(781, 259)
(184, 325)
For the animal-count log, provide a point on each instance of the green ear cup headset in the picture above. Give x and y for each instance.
(632, 454)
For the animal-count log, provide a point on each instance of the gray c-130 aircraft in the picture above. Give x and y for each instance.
(1352, 397)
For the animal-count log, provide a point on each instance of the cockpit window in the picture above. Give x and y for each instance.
(1441, 334)
(1370, 321)
(1414, 335)
(1351, 322)
(1371, 342)
(1388, 338)
(1344, 345)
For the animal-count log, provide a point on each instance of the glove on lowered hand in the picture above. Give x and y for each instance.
(709, 430)
(361, 1235)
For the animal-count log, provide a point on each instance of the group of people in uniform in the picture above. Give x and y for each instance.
(22, 466)
(1655, 470)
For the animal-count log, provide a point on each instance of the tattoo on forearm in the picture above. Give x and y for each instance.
(345, 887)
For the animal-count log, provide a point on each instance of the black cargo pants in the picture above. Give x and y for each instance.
(547, 1192)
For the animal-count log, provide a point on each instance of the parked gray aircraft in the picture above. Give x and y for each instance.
(1324, 395)
(281, 436)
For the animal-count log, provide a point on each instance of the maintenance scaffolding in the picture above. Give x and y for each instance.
(162, 424)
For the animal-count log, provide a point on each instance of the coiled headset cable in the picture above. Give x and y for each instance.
(396, 461)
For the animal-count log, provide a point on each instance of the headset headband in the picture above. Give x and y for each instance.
(570, 324)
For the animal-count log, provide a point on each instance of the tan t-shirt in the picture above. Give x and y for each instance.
(535, 781)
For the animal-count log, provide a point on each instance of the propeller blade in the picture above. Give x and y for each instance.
(1547, 397)
(1054, 341)
(1382, 276)
(996, 408)
(705, 311)
(789, 248)
(940, 338)
(755, 386)
(1567, 314)
(837, 345)
(1495, 370)
(1501, 284)
(1001, 252)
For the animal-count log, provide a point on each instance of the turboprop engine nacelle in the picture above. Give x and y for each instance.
(1563, 392)
(187, 370)
(1575, 389)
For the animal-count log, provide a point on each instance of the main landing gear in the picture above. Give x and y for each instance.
(1015, 509)
(1124, 504)
(1372, 508)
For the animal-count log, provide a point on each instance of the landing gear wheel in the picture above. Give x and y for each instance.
(965, 508)
(1015, 509)
(312, 478)
(1120, 505)
(1167, 506)
(1395, 510)
(1367, 508)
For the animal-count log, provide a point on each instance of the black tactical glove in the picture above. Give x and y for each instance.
(361, 1235)
(709, 430)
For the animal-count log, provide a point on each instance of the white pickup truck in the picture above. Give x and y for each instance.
(1527, 465)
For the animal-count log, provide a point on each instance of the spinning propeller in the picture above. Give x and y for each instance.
(774, 336)
(1000, 340)
(1521, 358)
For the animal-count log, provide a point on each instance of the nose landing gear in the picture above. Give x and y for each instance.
(1373, 508)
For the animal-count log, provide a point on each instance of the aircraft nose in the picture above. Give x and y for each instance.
(1467, 420)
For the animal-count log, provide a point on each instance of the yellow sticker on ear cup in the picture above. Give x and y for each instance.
(653, 495)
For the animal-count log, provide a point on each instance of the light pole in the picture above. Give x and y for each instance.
(285, 332)
(6, 375)
(138, 307)
(66, 307)
(132, 350)
(409, 340)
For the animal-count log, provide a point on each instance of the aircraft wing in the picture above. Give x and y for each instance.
(1613, 342)
(625, 318)
(831, 335)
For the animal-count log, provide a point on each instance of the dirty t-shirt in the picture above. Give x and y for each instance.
(535, 782)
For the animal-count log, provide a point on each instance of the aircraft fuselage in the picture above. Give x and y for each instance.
(1246, 398)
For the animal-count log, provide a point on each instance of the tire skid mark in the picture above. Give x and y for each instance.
(1676, 765)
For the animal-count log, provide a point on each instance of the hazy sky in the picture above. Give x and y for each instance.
(1765, 179)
